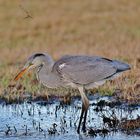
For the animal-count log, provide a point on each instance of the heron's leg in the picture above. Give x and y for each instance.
(85, 105)
(84, 122)
(81, 117)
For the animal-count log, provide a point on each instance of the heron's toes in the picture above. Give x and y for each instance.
(84, 128)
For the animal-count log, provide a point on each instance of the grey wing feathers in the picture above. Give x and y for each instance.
(84, 69)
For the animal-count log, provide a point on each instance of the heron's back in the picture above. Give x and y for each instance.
(86, 70)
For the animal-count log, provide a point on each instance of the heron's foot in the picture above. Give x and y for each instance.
(78, 131)
(84, 128)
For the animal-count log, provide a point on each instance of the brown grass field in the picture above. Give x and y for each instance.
(109, 28)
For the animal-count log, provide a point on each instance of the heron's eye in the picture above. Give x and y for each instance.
(40, 66)
(30, 63)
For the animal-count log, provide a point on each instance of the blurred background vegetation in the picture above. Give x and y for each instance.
(109, 28)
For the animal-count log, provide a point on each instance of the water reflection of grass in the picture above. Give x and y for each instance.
(109, 29)
(56, 119)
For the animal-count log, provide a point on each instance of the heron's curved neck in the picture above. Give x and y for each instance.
(48, 78)
(45, 74)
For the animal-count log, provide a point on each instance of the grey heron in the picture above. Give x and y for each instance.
(82, 72)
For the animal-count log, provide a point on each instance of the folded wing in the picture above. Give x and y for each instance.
(84, 69)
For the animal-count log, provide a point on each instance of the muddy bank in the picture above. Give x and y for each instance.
(17, 93)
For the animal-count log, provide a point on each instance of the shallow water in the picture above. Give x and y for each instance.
(54, 121)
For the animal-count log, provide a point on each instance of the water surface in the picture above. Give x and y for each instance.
(55, 121)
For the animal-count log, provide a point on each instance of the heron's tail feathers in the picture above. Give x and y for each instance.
(121, 66)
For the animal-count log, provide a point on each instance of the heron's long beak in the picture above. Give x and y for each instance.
(20, 74)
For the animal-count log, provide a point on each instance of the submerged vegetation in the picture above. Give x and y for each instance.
(107, 117)
(109, 29)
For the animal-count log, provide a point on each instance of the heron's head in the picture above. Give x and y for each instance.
(33, 61)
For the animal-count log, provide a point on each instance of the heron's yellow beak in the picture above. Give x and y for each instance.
(20, 74)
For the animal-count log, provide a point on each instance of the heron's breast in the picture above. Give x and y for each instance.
(50, 80)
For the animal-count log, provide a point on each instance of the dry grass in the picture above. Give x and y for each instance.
(109, 28)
